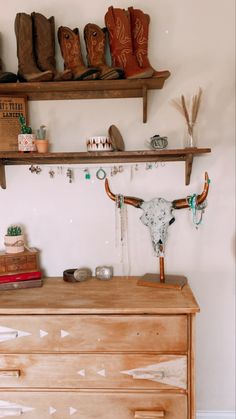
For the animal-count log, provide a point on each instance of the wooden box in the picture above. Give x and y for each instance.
(27, 261)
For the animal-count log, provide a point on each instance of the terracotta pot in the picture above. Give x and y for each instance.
(42, 145)
(14, 244)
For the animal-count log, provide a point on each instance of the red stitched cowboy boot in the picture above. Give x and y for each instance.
(95, 44)
(139, 26)
(69, 41)
(119, 30)
(44, 46)
(27, 68)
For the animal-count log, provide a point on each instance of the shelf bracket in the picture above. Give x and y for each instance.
(188, 168)
(145, 90)
(2, 176)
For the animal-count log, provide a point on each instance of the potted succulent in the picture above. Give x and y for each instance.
(26, 139)
(42, 143)
(14, 239)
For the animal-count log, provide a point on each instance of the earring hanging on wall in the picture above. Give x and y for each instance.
(101, 174)
(87, 174)
(51, 173)
(69, 174)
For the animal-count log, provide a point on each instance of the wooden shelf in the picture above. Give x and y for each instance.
(92, 89)
(19, 158)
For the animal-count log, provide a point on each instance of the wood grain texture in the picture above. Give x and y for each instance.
(100, 371)
(93, 333)
(118, 296)
(94, 405)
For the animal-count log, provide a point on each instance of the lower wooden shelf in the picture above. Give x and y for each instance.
(19, 158)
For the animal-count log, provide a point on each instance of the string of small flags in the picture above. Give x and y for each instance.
(100, 172)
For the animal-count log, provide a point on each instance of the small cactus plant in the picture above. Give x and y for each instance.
(41, 133)
(14, 230)
(24, 129)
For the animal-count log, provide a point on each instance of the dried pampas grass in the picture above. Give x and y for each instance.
(190, 112)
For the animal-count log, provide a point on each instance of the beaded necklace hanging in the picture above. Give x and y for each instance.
(121, 233)
(197, 210)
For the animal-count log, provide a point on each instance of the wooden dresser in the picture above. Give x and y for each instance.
(97, 350)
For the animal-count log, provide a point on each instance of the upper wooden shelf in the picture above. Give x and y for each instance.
(19, 158)
(92, 89)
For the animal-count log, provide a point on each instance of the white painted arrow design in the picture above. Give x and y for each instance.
(43, 333)
(102, 373)
(12, 409)
(52, 410)
(82, 373)
(173, 372)
(64, 333)
(6, 333)
(72, 411)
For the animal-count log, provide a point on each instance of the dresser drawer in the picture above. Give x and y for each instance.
(86, 405)
(133, 371)
(93, 333)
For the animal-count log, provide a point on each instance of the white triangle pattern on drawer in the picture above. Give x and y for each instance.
(173, 372)
(8, 409)
(6, 333)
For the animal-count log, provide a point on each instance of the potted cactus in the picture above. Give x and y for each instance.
(14, 239)
(26, 139)
(42, 143)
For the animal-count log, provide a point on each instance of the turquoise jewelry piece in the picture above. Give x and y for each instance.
(192, 202)
(101, 174)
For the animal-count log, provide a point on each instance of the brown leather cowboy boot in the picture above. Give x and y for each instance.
(69, 41)
(95, 38)
(120, 39)
(44, 46)
(27, 68)
(139, 27)
(6, 76)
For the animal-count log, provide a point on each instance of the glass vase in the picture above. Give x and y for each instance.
(190, 139)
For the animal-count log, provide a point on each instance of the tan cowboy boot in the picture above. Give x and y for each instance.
(69, 41)
(95, 44)
(44, 46)
(140, 26)
(120, 39)
(27, 68)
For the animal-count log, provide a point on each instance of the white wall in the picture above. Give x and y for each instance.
(74, 224)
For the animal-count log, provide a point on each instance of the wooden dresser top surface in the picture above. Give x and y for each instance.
(120, 295)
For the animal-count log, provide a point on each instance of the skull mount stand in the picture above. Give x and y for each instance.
(161, 280)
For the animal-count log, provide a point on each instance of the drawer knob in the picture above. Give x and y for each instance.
(10, 411)
(141, 414)
(10, 373)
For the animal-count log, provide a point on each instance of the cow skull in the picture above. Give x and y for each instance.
(157, 213)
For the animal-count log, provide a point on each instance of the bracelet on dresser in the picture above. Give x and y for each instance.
(77, 275)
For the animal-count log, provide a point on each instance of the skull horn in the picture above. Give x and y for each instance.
(183, 203)
(129, 200)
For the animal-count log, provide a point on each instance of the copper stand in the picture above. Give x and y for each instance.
(161, 280)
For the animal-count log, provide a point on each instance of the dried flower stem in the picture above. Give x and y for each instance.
(190, 115)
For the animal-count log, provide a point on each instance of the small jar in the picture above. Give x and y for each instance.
(104, 272)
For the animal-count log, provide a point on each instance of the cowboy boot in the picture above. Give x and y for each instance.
(139, 26)
(44, 46)
(69, 41)
(6, 76)
(27, 68)
(95, 38)
(120, 39)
